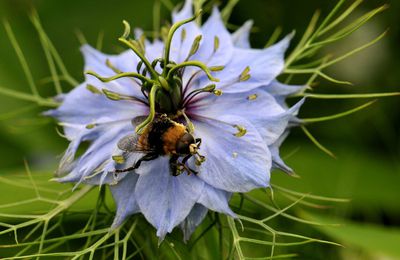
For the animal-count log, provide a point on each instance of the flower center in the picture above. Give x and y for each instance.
(163, 88)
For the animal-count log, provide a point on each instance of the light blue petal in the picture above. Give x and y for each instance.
(195, 217)
(234, 164)
(180, 47)
(273, 127)
(277, 162)
(256, 105)
(241, 37)
(98, 154)
(281, 91)
(185, 13)
(212, 28)
(165, 200)
(93, 109)
(265, 65)
(216, 200)
(124, 196)
(126, 62)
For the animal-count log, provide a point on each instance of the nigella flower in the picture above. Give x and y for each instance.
(205, 78)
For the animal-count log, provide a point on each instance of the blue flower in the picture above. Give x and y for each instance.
(241, 130)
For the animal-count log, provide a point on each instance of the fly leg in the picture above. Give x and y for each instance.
(145, 158)
(198, 142)
(183, 163)
(177, 168)
(173, 165)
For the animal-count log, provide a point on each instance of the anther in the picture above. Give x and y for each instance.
(195, 46)
(108, 64)
(217, 92)
(216, 68)
(252, 97)
(245, 74)
(112, 95)
(93, 89)
(183, 35)
(119, 159)
(242, 131)
(216, 43)
(90, 126)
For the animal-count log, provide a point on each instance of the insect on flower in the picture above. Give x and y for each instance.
(163, 137)
(146, 111)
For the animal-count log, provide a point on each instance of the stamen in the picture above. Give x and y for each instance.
(216, 43)
(252, 97)
(209, 88)
(183, 35)
(117, 96)
(108, 63)
(96, 124)
(216, 68)
(93, 89)
(171, 34)
(119, 159)
(112, 95)
(242, 131)
(217, 92)
(195, 46)
(189, 123)
(91, 126)
(245, 74)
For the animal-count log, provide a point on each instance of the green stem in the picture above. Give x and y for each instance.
(28, 97)
(339, 115)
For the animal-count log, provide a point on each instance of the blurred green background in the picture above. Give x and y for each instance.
(367, 144)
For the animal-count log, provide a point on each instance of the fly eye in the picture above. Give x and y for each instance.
(182, 147)
(183, 144)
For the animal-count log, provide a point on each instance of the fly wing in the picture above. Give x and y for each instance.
(130, 143)
(137, 120)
